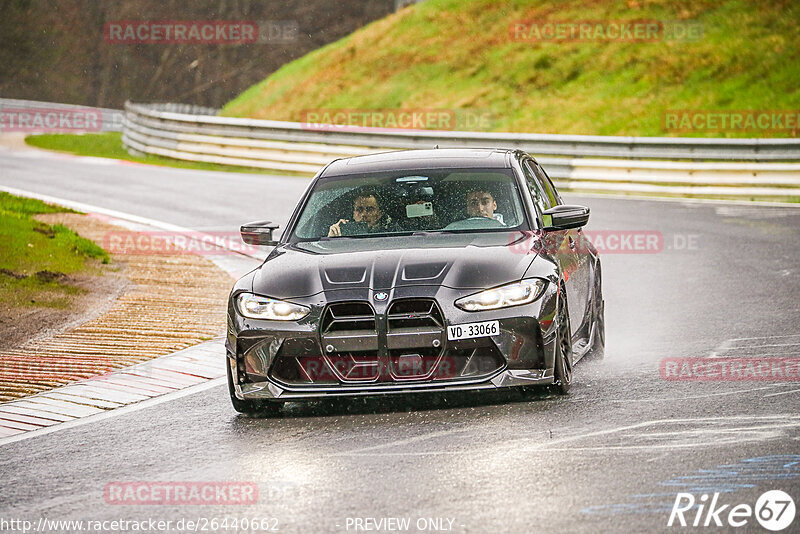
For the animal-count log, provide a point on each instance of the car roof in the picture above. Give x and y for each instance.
(439, 158)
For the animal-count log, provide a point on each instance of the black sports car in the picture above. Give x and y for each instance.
(419, 270)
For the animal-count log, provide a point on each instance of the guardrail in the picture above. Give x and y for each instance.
(111, 119)
(582, 163)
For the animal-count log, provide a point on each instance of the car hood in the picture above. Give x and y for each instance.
(459, 261)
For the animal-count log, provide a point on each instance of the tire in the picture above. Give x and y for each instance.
(598, 349)
(250, 407)
(562, 373)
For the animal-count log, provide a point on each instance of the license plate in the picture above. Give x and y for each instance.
(472, 330)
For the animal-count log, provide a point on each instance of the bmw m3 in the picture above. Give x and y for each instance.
(412, 271)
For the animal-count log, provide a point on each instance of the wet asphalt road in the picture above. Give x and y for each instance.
(610, 457)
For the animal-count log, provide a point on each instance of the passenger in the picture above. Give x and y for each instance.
(367, 211)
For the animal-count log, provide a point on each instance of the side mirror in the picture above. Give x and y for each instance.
(564, 217)
(259, 233)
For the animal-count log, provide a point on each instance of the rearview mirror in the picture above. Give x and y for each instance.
(259, 233)
(564, 217)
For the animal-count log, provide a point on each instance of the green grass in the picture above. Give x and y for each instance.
(109, 145)
(458, 55)
(35, 257)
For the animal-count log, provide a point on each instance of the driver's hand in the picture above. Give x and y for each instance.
(335, 230)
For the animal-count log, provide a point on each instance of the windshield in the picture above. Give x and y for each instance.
(451, 200)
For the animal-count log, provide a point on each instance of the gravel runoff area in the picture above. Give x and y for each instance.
(168, 302)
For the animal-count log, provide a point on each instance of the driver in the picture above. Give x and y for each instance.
(366, 210)
(480, 203)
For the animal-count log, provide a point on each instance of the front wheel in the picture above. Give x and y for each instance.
(563, 353)
(598, 348)
(249, 406)
(599, 339)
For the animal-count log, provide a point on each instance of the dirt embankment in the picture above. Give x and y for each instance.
(139, 307)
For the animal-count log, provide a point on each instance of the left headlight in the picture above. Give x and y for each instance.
(505, 296)
(255, 307)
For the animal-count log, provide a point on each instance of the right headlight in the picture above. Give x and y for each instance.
(256, 307)
(515, 294)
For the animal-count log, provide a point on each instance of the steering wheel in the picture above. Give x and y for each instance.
(354, 228)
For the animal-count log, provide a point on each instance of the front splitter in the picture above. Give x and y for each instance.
(503, 379)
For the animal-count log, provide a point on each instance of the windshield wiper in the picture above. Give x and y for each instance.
(337, 238)
(425, 233)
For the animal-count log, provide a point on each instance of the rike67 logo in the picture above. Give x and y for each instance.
(774, 510)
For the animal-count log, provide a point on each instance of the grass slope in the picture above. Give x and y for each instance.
(458, 54)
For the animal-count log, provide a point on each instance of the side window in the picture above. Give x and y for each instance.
(537, 192)
(550, 190)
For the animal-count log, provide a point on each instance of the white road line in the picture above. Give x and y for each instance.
(664, 421)
(722, 347)
(755, 357)
(89, 208)
(736, 347)
(711, 201)
(683, 398)
(753, 347)
(787, 421)
(37, 153)
(782, 393)
(761, 337)
(234, 262)
(415, 439)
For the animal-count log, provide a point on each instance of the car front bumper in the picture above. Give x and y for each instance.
(259, 351)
